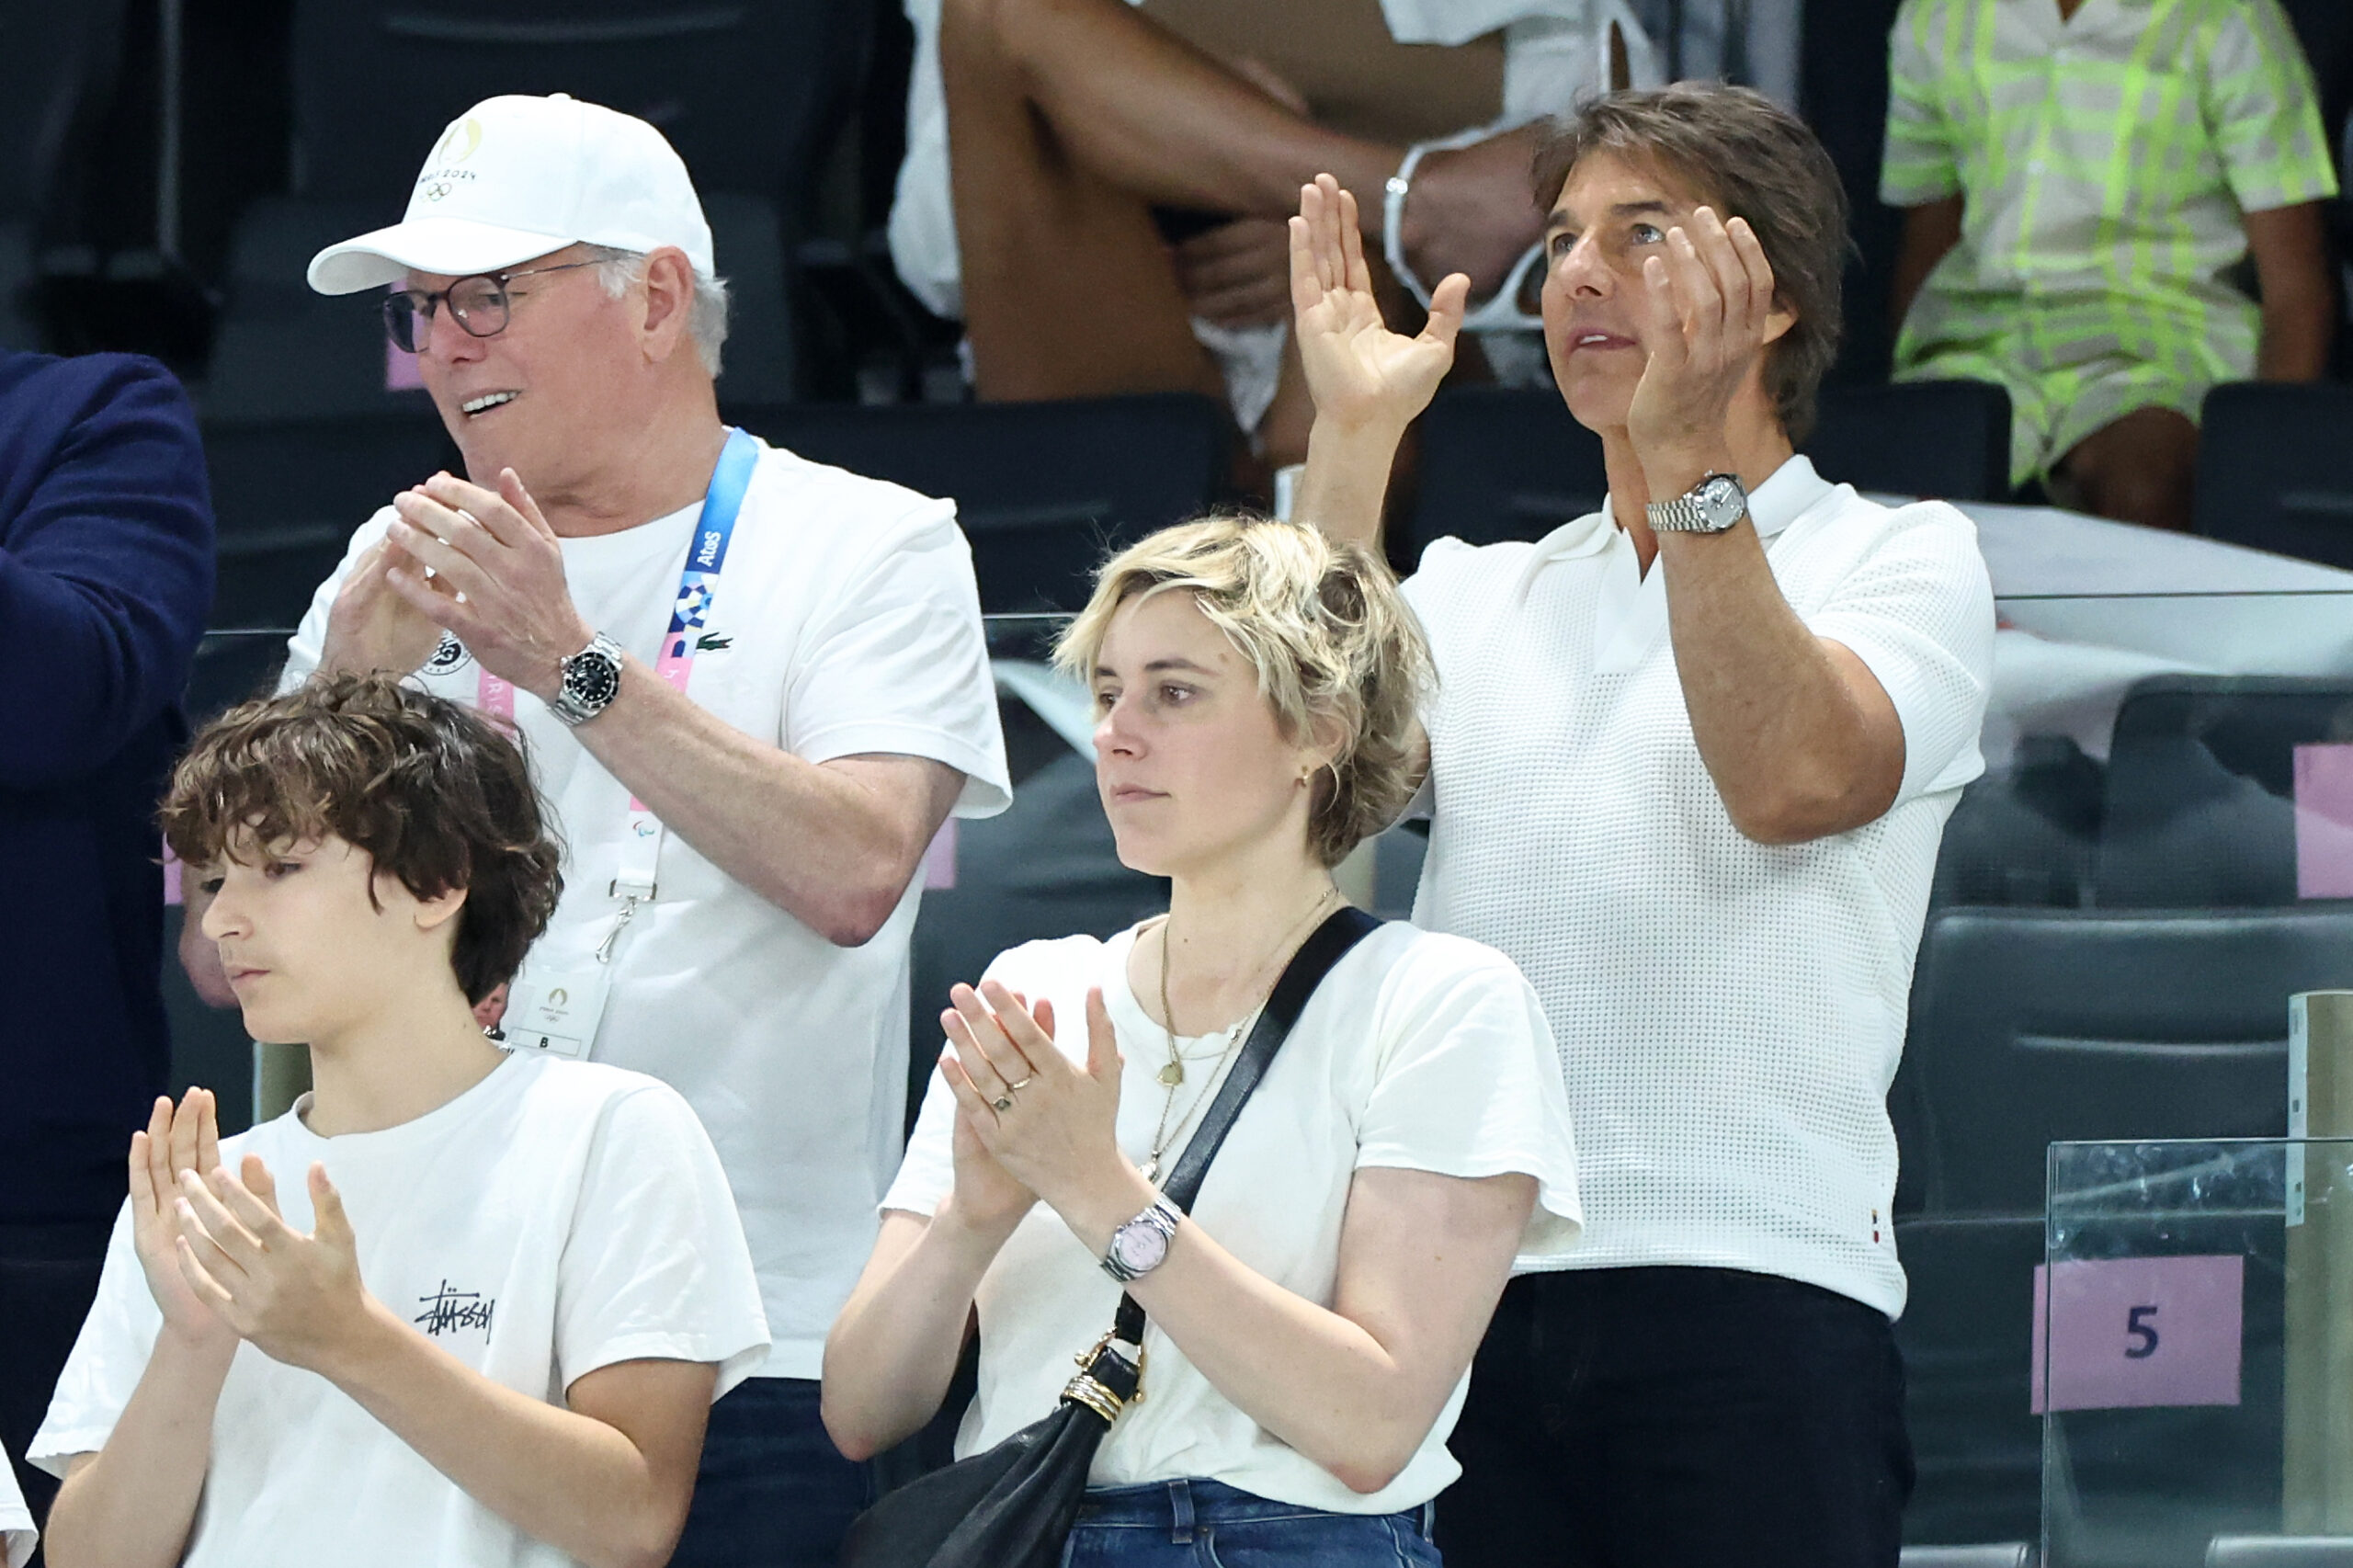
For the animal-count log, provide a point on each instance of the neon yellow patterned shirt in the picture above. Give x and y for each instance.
(2105, 164)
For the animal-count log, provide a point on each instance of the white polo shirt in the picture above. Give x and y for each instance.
(1729, 1014)
(846, 620)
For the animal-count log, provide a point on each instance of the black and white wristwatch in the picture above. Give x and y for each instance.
(1710, 507)
(592, 678)
(1141, 1244)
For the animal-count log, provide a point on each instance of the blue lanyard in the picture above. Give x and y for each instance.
(707, 556)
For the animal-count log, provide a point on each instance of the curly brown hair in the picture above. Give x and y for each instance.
(1749, 157)
(1331, 638)
(434, 794)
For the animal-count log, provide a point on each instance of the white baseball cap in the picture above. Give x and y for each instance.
(514, 177)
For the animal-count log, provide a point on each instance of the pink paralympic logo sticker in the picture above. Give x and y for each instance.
(2132, 1333)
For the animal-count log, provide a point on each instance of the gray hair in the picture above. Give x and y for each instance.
(622, 270)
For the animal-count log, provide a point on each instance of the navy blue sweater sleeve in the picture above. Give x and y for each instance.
(106, 557)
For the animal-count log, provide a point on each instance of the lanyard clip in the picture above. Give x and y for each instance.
(621, 922)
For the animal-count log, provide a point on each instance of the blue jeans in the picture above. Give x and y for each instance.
(1207, 1524)
(773, 1491)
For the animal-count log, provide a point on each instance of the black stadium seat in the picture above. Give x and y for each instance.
(1948, 439)
(2025, 834)
(289, 494)
(748, 93)
(1500, 463)
(2199, 809)
(2033, 1025)
(1967, 1338)
(283, 352)
(2271, 469)
(1044, 490)
(1510, 463)
(57, 65)
(760, 363)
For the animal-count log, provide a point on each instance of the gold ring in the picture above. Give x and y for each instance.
(1011, 1089)
(1002, 1103)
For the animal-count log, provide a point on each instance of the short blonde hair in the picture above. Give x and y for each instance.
(1333, 643)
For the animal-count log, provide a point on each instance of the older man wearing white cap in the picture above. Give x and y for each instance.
(752, 688)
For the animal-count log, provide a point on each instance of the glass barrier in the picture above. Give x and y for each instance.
(2193, 1334)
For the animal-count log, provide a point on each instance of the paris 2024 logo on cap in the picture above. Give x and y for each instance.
(442, 172)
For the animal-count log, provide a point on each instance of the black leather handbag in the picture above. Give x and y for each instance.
(1013, 1506)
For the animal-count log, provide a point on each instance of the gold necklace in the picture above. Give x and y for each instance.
(1173, 1074)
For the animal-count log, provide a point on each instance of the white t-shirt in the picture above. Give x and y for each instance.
(1418, 1052)
(1550, 57)
(555, 1217)
(1729, 1012)
(847, 622)
(17, 1536)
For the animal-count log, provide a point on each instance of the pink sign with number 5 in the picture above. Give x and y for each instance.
(2134, 1332)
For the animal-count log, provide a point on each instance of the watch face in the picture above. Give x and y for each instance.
(1139, 1246)
(592, 680)
(1722, 500)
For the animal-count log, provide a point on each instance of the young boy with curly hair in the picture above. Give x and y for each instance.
(457, 1306)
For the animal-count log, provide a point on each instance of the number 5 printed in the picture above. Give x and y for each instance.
(2137, 1327)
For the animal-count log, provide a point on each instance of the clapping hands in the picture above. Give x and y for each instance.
(219, 1259)
(299, 1298)
(498, 583)
(1049, 1124)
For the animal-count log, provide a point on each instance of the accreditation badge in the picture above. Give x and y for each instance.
(556, 1007)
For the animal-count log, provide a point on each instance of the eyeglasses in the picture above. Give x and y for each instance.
(478, 304)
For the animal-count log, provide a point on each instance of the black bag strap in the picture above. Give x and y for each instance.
(1324, 948)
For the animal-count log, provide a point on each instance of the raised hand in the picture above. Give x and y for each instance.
(1708, 313)
(371, 626)
(1362, 375)
(174, 1143)
(299, 1298)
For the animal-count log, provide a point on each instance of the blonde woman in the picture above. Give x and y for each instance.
(1312, 1321)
